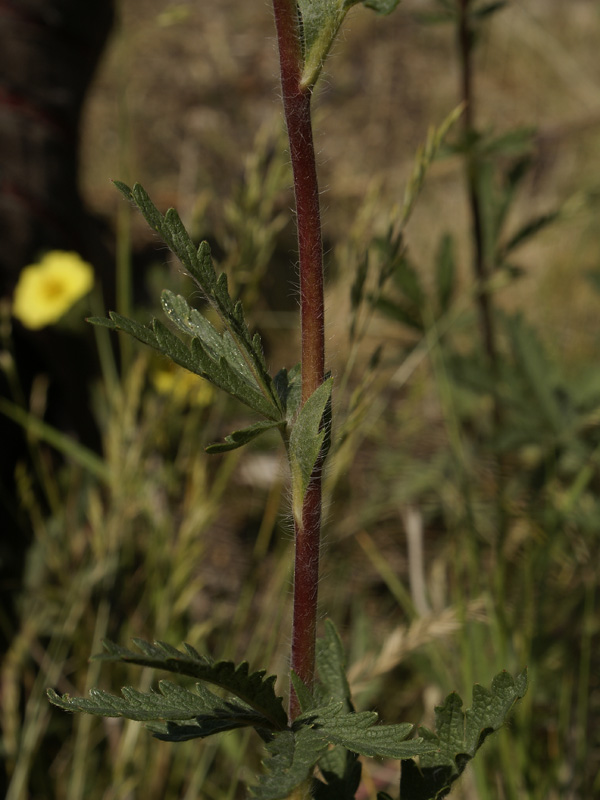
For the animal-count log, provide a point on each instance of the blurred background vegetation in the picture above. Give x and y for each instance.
(463, 525)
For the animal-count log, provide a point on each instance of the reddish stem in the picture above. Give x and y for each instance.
(296, 102)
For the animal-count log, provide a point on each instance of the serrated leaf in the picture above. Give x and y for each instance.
(292, 755)
(172, 703)
(217, 345)
(360, 733)
(321, 20)
(197, 359)
(241, 437)
(242, 352)
(459, 736)
(306, 443)
(174, 714)
(251, 687)
(172, 231)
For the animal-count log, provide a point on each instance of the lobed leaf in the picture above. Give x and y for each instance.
(242, 352)
(459, 736)
(172, 703)
(216, 345)
(360, 733)
(251, 687)
(217, 366)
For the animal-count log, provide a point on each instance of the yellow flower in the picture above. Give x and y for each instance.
(181, 385)
(47, 290)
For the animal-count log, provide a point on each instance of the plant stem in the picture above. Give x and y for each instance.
(296, 103)
(480, 267)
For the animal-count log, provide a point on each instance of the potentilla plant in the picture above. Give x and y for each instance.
(313, 747)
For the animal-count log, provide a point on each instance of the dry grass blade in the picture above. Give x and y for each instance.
(405, 639)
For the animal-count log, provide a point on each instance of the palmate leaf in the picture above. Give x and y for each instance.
(321, 20)
(459, 736)
(251, 687)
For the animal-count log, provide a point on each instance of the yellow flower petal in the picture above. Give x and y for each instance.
(47, 290)
(183, 386)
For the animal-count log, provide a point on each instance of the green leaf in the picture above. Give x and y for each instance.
(292, 755)
(172, 703)
(303, 693)
(165, 712)
(191, 322)
(288, 385)
(242, 352)
(241, 437)
(459, 736)
(358, 732)
(331, 669)
(321, 20)
(306, 443)
(251, 687)
(204, 361)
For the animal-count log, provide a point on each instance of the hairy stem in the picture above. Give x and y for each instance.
(296, 102)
